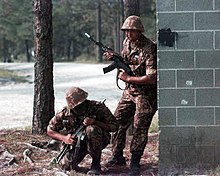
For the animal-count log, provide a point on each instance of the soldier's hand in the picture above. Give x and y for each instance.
(108, 55)
(68, 139)
(88, 121)
(122, 75)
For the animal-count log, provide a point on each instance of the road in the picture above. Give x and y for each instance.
(16, 100)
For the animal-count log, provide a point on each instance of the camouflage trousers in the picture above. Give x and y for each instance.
(139, 109)
(95, 140)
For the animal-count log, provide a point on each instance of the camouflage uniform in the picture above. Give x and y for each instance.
(138, 103)
(95, 139)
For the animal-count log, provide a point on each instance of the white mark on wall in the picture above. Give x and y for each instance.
(184, 102)
(189, 83)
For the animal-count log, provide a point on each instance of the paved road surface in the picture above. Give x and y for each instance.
(16, 100)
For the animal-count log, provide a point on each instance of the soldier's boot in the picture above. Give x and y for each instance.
(95, 167)
(135, 164)
(117, 159)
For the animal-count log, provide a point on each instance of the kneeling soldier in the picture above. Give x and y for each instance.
(98, 121)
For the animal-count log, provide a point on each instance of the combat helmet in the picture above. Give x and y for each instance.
(133, 22)
(77, 95)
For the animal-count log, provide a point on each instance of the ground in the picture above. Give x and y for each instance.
(20, 156)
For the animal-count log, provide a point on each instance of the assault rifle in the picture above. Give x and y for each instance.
(66, 147)
(76, 134)
(118, 61)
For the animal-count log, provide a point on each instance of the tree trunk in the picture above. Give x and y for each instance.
(99, 31)
(27, 51)
(5, 50)
(68, 52)
(43, 88)
(132, 7)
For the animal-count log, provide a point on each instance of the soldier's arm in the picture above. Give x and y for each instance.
(151, 72)
(146, 79)
(103, 118)
(67, 139)
(105, 126)
(55, 125)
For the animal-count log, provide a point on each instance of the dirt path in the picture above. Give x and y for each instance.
(17, 99)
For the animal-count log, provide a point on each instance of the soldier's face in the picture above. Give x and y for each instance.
(70, 103)
(132, 34)
(80, 109)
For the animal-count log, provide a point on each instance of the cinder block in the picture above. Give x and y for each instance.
(176, 97)
(195, 40)
(175, 59)
(207, 21)
(193, 5)
(207, 59)
(217, 39)
(208, 97)
(167, 117)
(217, 116)
(217, 154)
(167, 154)
(208, 135)
(187, 155)
(217, 5)
(206, 155)
(217, 78)
(177, 136)
(195, 78)
(167, 78)
(175, 21)
(167, 5)
(195, 116)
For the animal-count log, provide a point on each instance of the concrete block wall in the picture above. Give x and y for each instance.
(189, 84)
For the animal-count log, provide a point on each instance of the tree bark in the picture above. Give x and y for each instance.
(27, 51)
(99, 30)
(43, 109)
(132, 7)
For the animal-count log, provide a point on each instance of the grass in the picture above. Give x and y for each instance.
(154, 124)
(11, 76)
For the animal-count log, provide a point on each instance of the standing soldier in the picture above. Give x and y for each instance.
(99, 122)
(139, 100)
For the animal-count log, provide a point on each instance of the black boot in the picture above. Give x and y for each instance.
(116, 159)
(95, 167)
(135, 164)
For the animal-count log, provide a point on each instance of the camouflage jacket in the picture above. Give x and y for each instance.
(68, 121)
(142, 59)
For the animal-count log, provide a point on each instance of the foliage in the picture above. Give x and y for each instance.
(71, 19)
(16, 28)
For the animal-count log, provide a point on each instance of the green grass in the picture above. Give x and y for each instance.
(11, 76)
(154, 124)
